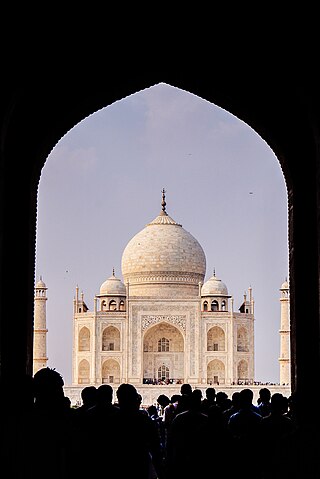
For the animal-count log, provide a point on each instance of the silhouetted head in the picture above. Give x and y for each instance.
(48, 387)
(186, 389)
(175, 398)
(245, 398)
(89, 395)
(104, 394)
(210, 394)
(195, 400)
(152, 410)
(265, 395)
(221, 397)
(236, 399)
(163, 400)
(278, 403)
(128, 397)
(293, 401)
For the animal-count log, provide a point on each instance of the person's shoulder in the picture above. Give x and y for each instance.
(180, 416)
(234, 416)
(203, 416)
(256, 409)
(256, 415)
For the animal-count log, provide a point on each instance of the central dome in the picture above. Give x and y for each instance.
(162, 258)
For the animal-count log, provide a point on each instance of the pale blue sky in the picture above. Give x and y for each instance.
(102, 184)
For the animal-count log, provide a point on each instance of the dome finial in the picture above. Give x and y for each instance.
(113, 272)
(214, 272)
(163, 203)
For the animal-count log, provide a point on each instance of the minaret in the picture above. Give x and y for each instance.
(284, 359)
(40, 327)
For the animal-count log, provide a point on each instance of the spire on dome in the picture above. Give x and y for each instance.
(163, 218)
(163, 202)
(113, 274)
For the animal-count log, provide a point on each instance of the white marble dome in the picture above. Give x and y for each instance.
(163, 254)
(214, 287)
(113, 287)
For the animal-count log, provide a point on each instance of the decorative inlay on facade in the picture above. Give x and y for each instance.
(218, 325)
(108, 358)
(140, 321)
(177, 320)
(215, 358)
(164, 277)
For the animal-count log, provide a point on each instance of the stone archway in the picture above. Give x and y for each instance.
(216, 339)
(243, 370)
(163, 354)
(111, 339)
(39, 115)
(216, 372)
(110, 372)
(84, 372)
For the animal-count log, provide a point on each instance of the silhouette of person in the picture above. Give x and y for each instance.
(97, 433)
(208, 400)
(153, 413)
(163, 401)
(277, 434)
(50, 429)
(235, 406)
(264, 406)
(137, 437)
(243, 429)
(89, 398)
(185, 397)
(188, 443)
(15, 423)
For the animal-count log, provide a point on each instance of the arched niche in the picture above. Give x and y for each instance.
(163, 354)
(216, 372)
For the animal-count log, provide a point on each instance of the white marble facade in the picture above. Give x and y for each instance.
(162, 323)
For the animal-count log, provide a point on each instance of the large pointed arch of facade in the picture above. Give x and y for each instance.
(163, 354)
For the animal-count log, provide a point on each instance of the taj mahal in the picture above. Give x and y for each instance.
(162, 325)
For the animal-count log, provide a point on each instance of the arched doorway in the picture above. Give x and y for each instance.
(242, 370)
(84, 372)
(110, 372)
(111, 339)
(163, 355)
(216, 339)
(216, 372)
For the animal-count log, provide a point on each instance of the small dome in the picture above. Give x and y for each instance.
(40, 284)
(113, 287)
(214, 287)
(285, 285)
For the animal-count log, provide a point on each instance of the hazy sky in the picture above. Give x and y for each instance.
(102, 184)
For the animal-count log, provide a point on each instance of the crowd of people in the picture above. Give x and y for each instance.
(183, 436)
